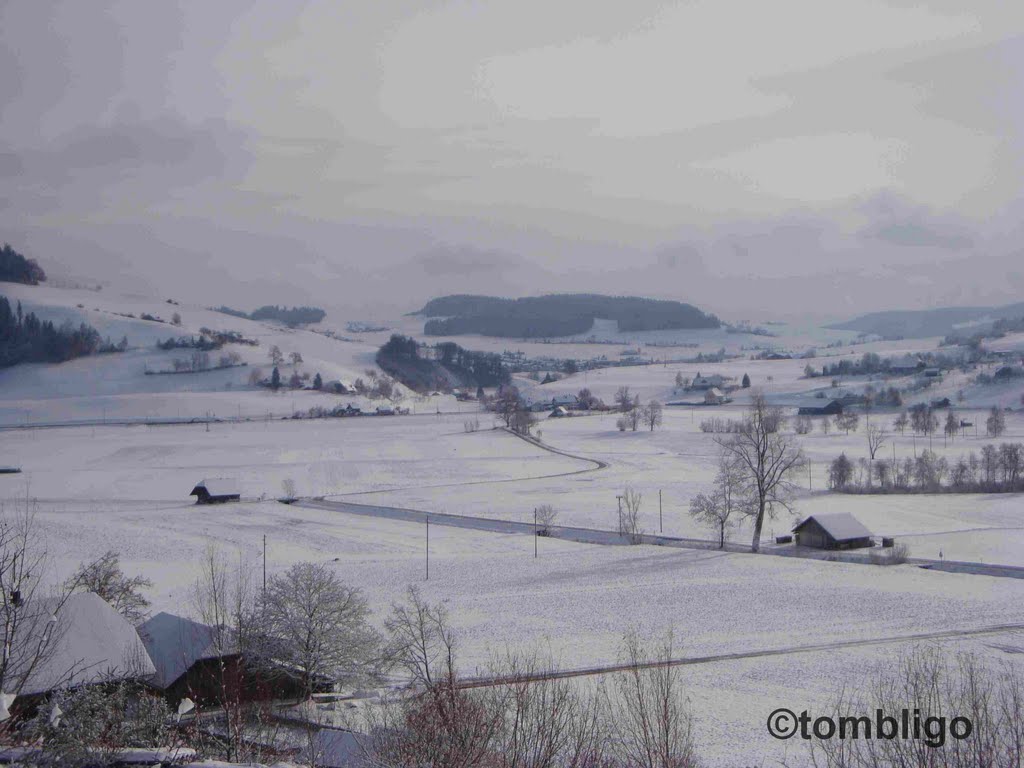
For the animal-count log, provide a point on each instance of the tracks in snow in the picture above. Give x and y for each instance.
(485, 682)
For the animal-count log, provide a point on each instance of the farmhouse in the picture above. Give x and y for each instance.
(835, 530)
(205, 664)
(707, 382)
(216, 490)
(904, 365)
(714, 396)
(91, 643)
(832, 408)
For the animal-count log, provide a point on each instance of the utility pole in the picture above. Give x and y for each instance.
(620, 513)
(534, 532)
(809, 475)
(264, 567)
(661, 520)
(428, 548)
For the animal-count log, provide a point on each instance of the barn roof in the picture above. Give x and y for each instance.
(91, 642)
(218, 486)
(841, 526)
(175, 643)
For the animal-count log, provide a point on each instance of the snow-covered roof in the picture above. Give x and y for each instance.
(175, 643)
(714, 392)
(90, 642)
(333, 748)
(218, 486)
(839, 525)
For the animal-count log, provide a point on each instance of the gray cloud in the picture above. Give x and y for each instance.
(368, 155)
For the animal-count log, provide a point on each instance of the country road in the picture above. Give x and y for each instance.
(613, 538)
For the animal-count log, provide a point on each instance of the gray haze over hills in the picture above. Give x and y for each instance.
(755, 160)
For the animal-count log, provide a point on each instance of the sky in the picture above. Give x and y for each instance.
(759, 160)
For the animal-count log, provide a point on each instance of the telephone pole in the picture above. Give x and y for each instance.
(534, 532)
(661, 520)
(428, 548)
(264, 567)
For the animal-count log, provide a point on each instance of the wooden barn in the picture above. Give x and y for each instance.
(216, 491)
(832, 408)
(205, 664)
(835, 530)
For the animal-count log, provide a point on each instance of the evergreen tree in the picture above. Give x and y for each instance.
(318, 383)
(746, 381)
(275, 378)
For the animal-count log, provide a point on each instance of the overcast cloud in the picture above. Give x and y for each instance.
(752, 158)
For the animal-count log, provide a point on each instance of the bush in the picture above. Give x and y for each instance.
(896, 555)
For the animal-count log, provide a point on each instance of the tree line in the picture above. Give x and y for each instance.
(997, 469)
(15, 268)
(24, 338)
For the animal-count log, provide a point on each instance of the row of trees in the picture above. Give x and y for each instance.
(997, 469)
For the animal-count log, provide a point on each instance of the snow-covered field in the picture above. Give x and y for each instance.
(125, 488)
(575, 601)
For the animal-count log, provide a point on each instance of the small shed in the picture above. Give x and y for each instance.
(558, 413)
(714, 396)
(835, 530)
(216, 490)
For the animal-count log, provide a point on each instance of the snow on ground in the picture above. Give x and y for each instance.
(125, 488)
(575, 601)
(162, 463)
(679, 460)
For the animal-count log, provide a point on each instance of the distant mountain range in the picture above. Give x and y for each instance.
(917, 324)
(555, 315)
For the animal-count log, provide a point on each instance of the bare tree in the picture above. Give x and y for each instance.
(719, 508)
(275, 355)
(629, 518)
(421, 641)
(522, 421)
(652, 414)
(106, 579)
(295, 358)
(900, 422)
(768, 460)
(623, 399)
(633, 417)
(847, 421)
(649, 713)
(876, 439)
(826, 425)
(933, 686)
(507, 403)
(224, 599)
(952, 424)
(995, 424)
(314, 624)
(546, 516)
(803, 425)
